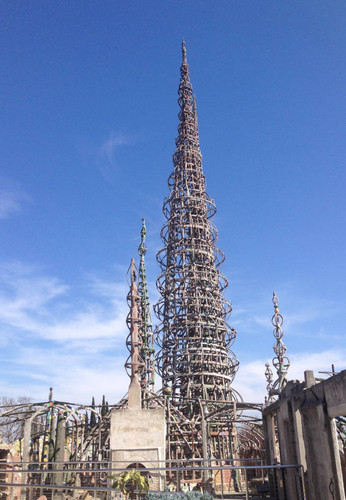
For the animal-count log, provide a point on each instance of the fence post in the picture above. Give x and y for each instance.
(178, 480)
(300, 483)
(246, 485)
(283, 481)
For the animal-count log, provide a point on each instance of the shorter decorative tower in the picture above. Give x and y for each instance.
(138, 434)
(280, 362)
(147, 351)
(134, 364)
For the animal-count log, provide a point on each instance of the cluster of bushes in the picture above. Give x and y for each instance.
(177, 495)
(134, 485)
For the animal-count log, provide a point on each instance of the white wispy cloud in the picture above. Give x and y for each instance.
(111, 144)
(311, 325)
(53, 337)
(106, 155)
(74, 376)
(300, 311)
(34, 302)
(25, 295)
(9, 204)
(72, 337)
(251, 383)
(11, 201)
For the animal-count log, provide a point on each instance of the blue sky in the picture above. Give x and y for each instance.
(88, 121)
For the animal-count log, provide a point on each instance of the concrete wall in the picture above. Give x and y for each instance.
(139, 435)
(304, 416)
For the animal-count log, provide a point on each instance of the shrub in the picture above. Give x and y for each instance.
(177, 495)
(129, 481)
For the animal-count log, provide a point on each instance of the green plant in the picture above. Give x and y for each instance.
(129, 481)
(176, 495)
(197, 495)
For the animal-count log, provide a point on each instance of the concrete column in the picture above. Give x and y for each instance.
(26, 440)
(26, 454)
(271, 453)
(307, 435)
(269, 436)
(298, 431)
(135, 398)
(323, 462)
(287, 455)
(299, 445)
(60, 448)
(336, 463)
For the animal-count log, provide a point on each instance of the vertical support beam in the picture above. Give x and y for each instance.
(60, 448)
(325, 480)
(269, 437)
(307, 435)
(336, 464)
(287, 447)
(52, 437)
(26, 454)
(204, 446)
(27, 438)
(246, 485)
(271, 451)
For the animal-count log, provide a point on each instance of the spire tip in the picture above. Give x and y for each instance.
(184, 52)
(142, 248)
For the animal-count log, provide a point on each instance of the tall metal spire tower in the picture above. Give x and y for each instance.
(195, 362)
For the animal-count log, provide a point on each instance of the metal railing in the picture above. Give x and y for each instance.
(226, 479)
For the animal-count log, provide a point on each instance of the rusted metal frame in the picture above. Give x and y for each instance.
(194, 359)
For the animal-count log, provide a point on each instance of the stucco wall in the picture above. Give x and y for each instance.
(139, 435)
